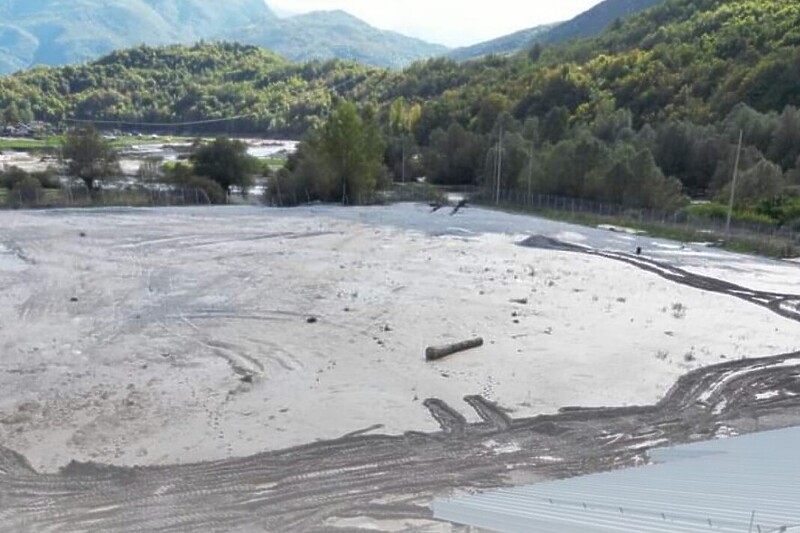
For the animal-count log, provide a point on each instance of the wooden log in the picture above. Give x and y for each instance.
(432, 353)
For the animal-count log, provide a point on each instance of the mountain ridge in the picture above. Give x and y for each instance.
(336, 34)
(59, 32)
(506, 44)
(589, 23)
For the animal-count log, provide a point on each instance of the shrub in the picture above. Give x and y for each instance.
(213, 191)
(26, 191)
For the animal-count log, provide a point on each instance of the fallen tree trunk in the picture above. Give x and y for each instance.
(433, 353)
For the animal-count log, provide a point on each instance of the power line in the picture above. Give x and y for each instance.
(158, 124)
(335, 87)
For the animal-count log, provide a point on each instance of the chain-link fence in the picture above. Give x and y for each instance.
(681, 223)
(32, 198)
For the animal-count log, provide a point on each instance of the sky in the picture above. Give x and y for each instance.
(449, 22)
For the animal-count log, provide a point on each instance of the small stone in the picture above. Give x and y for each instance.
(312, 320)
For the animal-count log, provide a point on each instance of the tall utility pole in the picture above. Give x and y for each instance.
(497, 169)
(404, 160)
(733, 185)
(530, 170)
(499, 165)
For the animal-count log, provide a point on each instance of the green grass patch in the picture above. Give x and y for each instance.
(274, 162)
(54, 143)
(759, 244)
(28, 144)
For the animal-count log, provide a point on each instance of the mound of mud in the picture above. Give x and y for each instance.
(547, 243)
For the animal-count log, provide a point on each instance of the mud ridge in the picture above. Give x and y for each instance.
(305, 488)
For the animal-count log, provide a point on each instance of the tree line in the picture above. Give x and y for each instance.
(216, 168)
(647, 114)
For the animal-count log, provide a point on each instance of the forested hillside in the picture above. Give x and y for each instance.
(590, 23)
(595, 20)
(186, 84)
(54, 32)
(60, 32)
(507, 44)
(647, 112)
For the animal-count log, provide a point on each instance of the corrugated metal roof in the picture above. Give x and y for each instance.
(714, 486)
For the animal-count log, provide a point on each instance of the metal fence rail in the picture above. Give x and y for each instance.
(679, 220)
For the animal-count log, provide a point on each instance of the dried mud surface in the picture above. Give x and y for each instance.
(389, 481)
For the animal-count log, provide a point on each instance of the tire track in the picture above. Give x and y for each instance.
(383, 477)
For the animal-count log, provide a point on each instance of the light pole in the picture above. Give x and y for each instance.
(733, 185)
(499, 165)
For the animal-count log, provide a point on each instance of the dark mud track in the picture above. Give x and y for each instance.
(327, 486)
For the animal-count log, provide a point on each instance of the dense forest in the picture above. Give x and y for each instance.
(646, 114)
(184, 84)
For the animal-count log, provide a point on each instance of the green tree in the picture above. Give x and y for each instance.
(764, 180)
(342, 161)
(352, 149)
(226, 162)
(89, 157)
(455, 156)
(555, 125)
(786, 138)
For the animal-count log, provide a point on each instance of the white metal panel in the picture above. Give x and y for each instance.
(713, 486)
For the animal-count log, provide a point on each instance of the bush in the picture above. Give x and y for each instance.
(719, 212)
(214, 192)
(48, 178)
(26, 191)
(226, 162)
(9, 178)
(785, 209)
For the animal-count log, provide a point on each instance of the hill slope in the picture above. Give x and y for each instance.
(662, 94)
(58, 32)
(684, 56)
(55, 32)
(335, 34)
(507, 44)
(590, 23)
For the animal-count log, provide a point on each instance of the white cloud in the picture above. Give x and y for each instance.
(448, 22)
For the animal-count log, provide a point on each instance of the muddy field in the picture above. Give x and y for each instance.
(258, 370)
